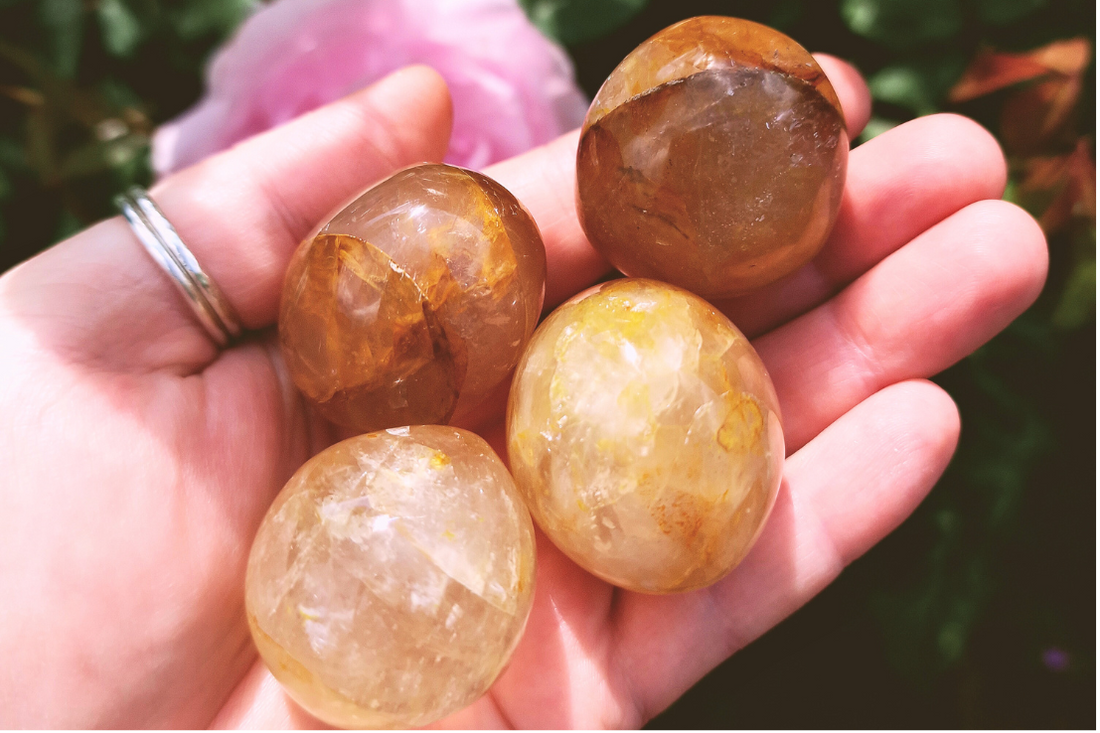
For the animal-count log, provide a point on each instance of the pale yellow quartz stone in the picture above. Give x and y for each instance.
(392, 577)
(644, 433)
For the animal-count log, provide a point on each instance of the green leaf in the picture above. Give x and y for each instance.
(1077, 306)
(68, 224)
(137, 171)
(121, 29)
(1012, 190)
(875, 127)
(918, 86)
(99, 156)
(951, 640)
(575, 21)
(219, 17)
(64, 19)
(116, 94)
(12, 155)
(785, 13)
(40, 151)
(903, 23)
(1003, 12)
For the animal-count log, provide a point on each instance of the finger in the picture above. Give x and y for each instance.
(855, 96)
(836, 502)
(259, 703)
(545, 179)
(913, 315)
(555, 678)
(899, 184)
(247, 210)
(242, 213)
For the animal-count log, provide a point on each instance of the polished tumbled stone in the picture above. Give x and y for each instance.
(644, 434)
(712, 158)
(392, 577)
(414, 301)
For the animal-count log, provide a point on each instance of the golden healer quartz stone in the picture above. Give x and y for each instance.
(413, 301)
(644, 434)
(712, 158)
(392, 577)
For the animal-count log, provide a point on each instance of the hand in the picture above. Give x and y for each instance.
(139, 459)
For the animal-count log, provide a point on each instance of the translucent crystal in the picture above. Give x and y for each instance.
(392, 577)
(712, 158)
(644, 434)
(413, 301)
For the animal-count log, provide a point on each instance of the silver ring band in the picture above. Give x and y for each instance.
(161, 241)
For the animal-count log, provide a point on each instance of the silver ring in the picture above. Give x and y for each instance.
(161, 241)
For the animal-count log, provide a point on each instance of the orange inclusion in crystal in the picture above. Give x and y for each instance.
(712, 158)
(413, 301)
(644, 434)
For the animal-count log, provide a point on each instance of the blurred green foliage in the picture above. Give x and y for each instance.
(82, 86)
(901, 23)
(574, 21)
(980, 610)
(917, 86)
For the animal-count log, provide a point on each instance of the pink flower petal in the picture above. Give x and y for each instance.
(512, 88)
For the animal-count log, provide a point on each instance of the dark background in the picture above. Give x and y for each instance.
(980, 611)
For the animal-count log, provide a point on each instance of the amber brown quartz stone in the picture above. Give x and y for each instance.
(392, 577)
(644, 434)
(712, 158)
(413, 301)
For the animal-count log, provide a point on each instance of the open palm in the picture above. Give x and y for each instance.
(138, 459)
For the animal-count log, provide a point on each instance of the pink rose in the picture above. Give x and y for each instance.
(512, 88)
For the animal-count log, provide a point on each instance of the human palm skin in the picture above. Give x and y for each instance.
(138, 459)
